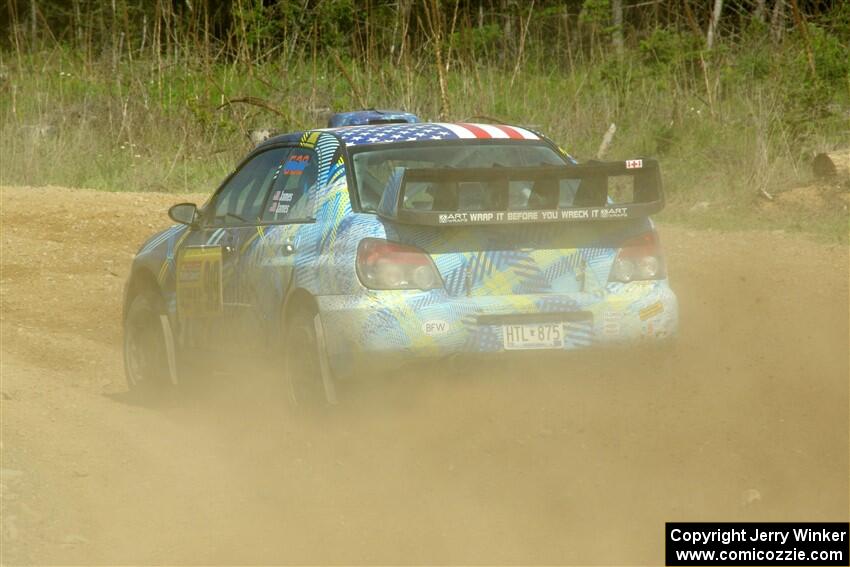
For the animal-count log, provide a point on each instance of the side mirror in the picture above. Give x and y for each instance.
(184, 213)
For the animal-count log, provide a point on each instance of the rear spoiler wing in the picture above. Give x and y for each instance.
(590, 203)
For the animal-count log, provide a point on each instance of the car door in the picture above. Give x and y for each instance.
(209, 305)
(269, 250)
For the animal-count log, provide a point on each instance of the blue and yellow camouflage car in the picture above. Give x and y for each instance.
(384, 243)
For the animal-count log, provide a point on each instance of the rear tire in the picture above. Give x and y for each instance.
(303, 367)
(145, 352)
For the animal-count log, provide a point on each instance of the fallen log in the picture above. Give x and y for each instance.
(832, 164)
(606, 141)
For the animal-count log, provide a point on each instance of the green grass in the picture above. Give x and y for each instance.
(720, 134)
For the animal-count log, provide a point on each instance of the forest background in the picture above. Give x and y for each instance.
(734, 97)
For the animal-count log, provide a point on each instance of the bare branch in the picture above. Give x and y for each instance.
(253, 101)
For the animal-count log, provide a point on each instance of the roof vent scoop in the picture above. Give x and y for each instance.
(371, 116)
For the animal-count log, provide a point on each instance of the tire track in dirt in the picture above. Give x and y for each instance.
(567, 462)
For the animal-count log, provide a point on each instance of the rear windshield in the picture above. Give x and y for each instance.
(373, 169)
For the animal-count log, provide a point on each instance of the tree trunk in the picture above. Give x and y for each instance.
(617, 17)
(804, 32)
(759, 11)
(78, 25)
(434, 15)
(33, 30)
(507, 30)
(777, 20)
(712, 25)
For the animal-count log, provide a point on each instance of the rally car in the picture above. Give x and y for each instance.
(383, 243)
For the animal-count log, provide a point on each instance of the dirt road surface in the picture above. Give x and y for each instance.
(568, 463)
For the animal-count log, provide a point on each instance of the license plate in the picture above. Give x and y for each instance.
(533, 336)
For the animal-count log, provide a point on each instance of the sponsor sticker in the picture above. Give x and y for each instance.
(296, 165)
(199, 290)
(534, 216)
(651, 311)
(435, 327)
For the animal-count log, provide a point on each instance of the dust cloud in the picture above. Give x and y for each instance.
(577, 460)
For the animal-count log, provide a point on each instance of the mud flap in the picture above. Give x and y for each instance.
(168, 337)
(324, 366)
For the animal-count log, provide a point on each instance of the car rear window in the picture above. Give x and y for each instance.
(373, 169)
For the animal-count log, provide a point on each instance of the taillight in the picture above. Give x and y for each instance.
(639, 258)
(382, 264)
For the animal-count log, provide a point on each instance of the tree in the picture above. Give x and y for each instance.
(712, 25)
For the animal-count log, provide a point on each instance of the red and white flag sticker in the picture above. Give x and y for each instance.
(634, 163)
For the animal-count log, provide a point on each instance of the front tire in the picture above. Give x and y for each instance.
(146, 364)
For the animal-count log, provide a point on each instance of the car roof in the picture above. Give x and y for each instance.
(417, 132)
(429, 131)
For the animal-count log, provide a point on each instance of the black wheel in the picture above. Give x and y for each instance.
(145, 351)
(309, 387)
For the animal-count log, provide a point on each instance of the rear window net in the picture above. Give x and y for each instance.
(592, 191)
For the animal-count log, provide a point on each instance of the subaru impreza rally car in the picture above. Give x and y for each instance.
(385, 243)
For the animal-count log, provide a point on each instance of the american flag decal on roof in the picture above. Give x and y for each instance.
(395, 133)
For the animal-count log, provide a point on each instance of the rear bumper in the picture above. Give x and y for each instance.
(393, 327)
